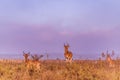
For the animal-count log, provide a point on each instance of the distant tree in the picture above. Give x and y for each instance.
(47, 55)
(57, 59)
(108, 54)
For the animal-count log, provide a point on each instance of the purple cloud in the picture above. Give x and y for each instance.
(39, 38)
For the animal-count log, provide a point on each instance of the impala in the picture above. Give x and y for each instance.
(109, 60)
(67, 54)
(31, 63)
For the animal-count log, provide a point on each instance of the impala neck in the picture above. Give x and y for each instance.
(108, 59)
(26, 59)
(66, 50)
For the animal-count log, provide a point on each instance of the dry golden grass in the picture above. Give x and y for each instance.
(60, 70)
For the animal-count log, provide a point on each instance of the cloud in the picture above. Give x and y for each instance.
(39, 38)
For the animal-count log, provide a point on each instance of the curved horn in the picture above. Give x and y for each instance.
(29, 53)
(107, 52)
(23, 52)
(67, 44)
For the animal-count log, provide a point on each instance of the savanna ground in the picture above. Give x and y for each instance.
(60, 70)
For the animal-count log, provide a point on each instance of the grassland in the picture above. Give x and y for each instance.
(60, 70)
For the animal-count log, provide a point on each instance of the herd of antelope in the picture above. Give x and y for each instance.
(35, 63)
(109, 59)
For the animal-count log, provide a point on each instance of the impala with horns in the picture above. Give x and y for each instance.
(31, 63)
(67, 54)
(109, 59)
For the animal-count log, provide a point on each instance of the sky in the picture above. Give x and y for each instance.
(43, 26)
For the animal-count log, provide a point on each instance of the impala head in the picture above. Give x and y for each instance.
(26, 55)
(66, 46)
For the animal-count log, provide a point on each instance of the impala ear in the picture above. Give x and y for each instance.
(29, 53)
